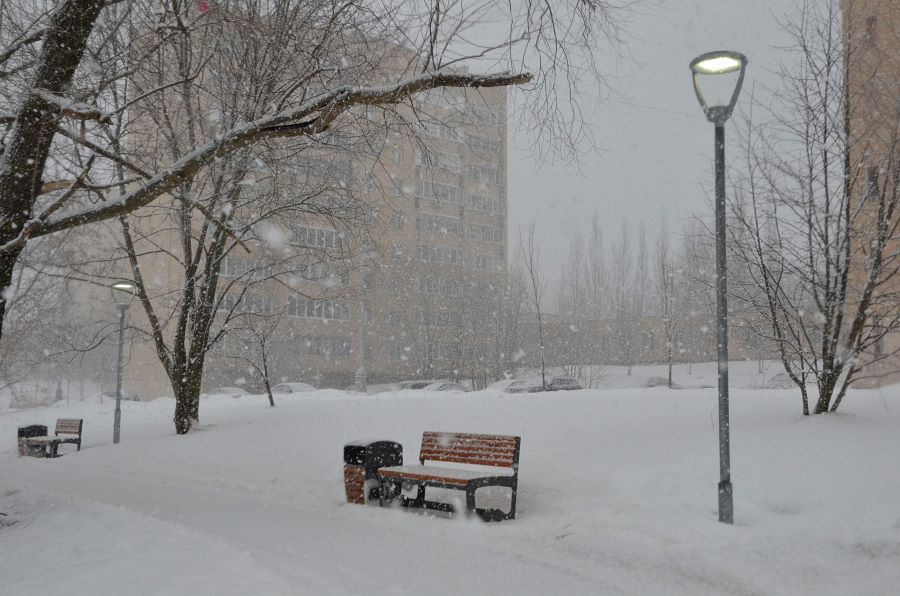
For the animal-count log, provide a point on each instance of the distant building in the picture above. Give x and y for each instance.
(872, 54)
(429, 274)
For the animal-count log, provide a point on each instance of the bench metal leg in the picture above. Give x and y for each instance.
(512, 500)
(470, 500)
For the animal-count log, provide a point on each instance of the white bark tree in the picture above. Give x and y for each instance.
(817, 206)
(537, 285)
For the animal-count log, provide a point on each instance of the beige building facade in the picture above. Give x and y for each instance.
(872, 54)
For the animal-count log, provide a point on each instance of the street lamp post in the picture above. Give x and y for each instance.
(718, 108)
(122, 293)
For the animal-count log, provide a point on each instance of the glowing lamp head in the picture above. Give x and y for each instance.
(719, 93)
(123, 291)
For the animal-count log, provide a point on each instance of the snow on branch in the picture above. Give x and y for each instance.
(72, 108)
(307, 119)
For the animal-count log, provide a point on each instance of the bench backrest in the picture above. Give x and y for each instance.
(69, 426)
(468, 448)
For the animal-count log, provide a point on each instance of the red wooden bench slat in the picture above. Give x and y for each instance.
(469, 448)
(506, 461)
(474, 439)
(69, 426)
(432, 477)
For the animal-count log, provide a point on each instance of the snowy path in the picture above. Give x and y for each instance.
(616, 497)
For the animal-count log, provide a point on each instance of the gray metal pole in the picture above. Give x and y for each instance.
(361, 372)
(117, 419)
(726, 503)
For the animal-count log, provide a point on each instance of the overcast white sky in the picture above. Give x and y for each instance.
(656, 146)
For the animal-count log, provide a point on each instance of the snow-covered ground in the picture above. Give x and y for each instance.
(617, 495)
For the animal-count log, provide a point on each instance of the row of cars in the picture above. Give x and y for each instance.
(535, 385)
(280, 389)
(506, 385)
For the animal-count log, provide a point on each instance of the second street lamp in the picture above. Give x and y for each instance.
(721, 75)
(122, 293)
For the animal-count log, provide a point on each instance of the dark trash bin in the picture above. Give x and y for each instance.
(361, 462)
(26, 432)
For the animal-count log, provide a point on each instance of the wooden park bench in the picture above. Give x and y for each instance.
(68, 430)
(476, 452)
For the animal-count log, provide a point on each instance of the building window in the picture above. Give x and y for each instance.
(235, 266)
(488, 263)
(319, 238)
(484, 174)
(871, 30)
(438, 192)
(440, 286)
(484, 144)
(485, 233)
(484, 203)
(248, 303)
(448, 162)
(436, 253)
(325, 310)
(322, 273)
(432, 222)
(485, 115)
(439, 130)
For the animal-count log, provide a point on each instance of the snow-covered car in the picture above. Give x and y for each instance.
(126, 395)
(414, 384)
(525, 386)
(445, 386)
(292, 388)
(229, 391)
(563, 384)
(501, 385)
(535, 385)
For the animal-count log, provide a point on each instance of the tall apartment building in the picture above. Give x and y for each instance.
(418, 296)
(422, 301)
(872, 53)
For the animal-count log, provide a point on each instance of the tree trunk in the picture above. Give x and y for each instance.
(31, 134)
(670, 367)
(187, 400)
(268, 385)
(826, 391)
(7, 267)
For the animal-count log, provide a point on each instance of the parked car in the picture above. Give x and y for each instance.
(232, 391)
(501, 385)
(126, 395)
(563, 384)
(535, 385)
(525, 386)
(445, 386)
(416, 384)
(292, 388)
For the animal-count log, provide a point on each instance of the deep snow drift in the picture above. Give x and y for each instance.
(617, 495)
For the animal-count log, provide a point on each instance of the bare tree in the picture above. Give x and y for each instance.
(57, 74)
(534, 279)
(256, 342)
(624, 301)
(816, 208)
(667, 293)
